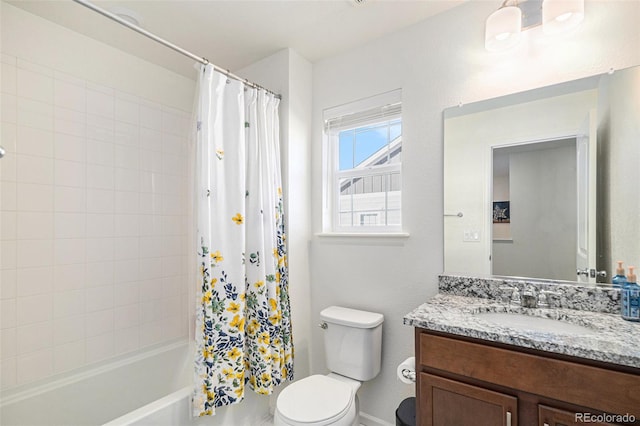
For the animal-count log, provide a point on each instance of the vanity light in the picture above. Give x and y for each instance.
(504, 26)
(561, 15)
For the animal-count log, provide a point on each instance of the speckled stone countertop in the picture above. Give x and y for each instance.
(608, 338)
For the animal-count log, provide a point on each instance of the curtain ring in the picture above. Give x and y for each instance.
(228, 80)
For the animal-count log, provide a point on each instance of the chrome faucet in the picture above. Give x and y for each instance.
(530, 297)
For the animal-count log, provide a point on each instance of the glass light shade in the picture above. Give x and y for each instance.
(561, 15)
(503, 28)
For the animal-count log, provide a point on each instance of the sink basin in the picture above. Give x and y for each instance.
(531, 323)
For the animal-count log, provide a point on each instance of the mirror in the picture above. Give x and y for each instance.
(543, 183)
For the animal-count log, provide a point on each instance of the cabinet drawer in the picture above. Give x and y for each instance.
(607, 390)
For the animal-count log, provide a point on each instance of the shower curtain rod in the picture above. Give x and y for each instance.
(168, 44)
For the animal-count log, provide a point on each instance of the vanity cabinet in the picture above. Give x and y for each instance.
(473, 382)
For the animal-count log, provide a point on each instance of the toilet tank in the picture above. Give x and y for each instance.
(352, 342)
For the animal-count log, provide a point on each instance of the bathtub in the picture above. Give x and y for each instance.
(135, 390)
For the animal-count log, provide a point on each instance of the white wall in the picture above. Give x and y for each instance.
(93, 191)
(437, 63)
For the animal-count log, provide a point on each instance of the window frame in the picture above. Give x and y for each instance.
(331, 162)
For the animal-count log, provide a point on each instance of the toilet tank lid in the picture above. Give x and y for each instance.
(351, 317)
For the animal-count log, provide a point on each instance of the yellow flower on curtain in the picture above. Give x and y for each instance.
(239, 391)
(253, 326)
(234, 353)
(275, 318)
(216, 256)
(228, 372)
(273, 304)
(238, 219)
(238, 323)
(207, 352)
(264, 338)
(233, 307)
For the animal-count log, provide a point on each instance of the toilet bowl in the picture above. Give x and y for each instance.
(318, 401)
(353, 342)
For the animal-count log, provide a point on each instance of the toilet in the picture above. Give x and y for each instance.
(353, 347)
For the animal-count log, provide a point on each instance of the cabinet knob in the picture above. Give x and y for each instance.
(509, 418)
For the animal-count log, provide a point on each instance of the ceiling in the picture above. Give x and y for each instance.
(235, 33)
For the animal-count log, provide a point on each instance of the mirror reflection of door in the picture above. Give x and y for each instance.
(539, 182)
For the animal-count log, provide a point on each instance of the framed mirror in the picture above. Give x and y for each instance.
(542, 184)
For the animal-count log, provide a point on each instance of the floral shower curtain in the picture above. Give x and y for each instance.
(243, 322)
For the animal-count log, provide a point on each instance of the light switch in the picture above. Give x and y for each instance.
(471, 235)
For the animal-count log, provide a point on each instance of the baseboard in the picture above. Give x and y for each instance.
(369, 420)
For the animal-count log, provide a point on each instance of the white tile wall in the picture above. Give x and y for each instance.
(93, 223)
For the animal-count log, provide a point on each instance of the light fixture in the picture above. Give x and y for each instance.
(128, 15)
(504, 26)
(561, 15)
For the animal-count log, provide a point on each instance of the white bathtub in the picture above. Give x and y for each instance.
(134, 390)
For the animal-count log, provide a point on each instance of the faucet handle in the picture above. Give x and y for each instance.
(515, 293)
(543, 298)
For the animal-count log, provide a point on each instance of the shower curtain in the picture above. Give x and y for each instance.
(243, 322)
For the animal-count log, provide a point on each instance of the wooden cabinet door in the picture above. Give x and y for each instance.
(549, 416)
(445, 402)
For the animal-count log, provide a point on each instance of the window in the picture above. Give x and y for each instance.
(362, 158)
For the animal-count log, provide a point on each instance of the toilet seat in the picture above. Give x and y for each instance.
(317, 400)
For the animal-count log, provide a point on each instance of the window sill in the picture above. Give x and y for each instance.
(362, 234)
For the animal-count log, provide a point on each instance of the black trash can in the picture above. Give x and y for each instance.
(406, 412)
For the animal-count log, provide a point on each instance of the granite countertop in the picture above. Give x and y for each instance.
(609, 338)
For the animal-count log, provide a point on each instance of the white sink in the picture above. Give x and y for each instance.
(531, 323)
